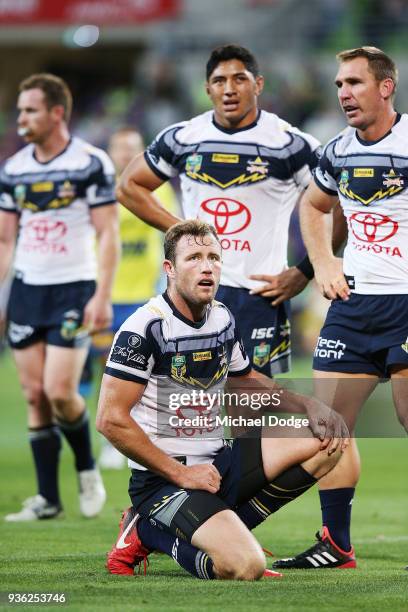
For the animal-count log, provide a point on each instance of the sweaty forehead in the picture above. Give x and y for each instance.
(189, 243)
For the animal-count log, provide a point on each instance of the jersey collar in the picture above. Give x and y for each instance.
(177, 313)
(369, 143)
(235, 130)
(55, 156)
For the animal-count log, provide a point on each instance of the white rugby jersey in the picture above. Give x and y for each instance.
(245, 182)
(371, 180)
(159, 347)
(55, 242)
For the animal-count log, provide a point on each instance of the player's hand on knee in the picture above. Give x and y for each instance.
(281, 286)
(327, 425)
(331, 280)
(204, 476)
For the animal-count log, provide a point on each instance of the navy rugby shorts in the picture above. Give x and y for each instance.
(48, 313)
(264, 329)
(182, 511)
(364, 335)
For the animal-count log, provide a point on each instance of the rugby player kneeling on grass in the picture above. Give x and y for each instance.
(195, 497)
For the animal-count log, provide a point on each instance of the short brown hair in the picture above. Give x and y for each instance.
(191, 227)
(380, 64)
(56, 91)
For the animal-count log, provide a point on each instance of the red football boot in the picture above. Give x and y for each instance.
(128, 550)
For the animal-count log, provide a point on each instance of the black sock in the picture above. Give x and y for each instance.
(79, 438)
(194, 561)
(336, 514)
(46, 445)
(284, 488)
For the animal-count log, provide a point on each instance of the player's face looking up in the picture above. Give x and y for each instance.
(234, 90)
(195, 275)
(363, 99)
(35, 118)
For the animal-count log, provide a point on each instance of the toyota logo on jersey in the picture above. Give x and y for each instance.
(228, 216)
(45, 230)
(372, 227)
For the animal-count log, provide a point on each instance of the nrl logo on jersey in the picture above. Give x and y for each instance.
(405, 345)
(193, 163)
(20, 192)
(178, 366)
(261, 354)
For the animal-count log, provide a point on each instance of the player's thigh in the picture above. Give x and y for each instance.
(344, 392)
(62, 370)
(399, 382)
(30, 368)
(178, 511)
(233, 549)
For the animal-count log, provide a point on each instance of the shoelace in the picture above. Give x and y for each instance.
(146, 562)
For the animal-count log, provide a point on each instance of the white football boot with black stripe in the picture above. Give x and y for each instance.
(325, 554)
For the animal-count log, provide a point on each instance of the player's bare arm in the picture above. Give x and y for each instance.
(135, 189)
(290, 282)
(8, 235)
(317, 227)
(117, 397)
(325, 423)
(98, 311)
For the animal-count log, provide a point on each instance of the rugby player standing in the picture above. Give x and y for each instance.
(364, 337)
(241, 169)
(56, 194)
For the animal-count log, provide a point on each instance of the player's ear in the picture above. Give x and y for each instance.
(207, 88)
(259, 81)
(168, 268)
(387, 87)
(57, 112)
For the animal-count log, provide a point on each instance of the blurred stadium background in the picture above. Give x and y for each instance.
(141, 63)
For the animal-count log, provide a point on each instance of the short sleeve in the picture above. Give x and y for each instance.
(100, 188)
(161, 155)
(324, 172)
(7, 202)
(239, 364)
(131, 356)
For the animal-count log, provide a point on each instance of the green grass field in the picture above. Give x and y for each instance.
(67, 555)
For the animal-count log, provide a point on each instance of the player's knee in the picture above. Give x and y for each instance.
(403, 419)
(34, 393)
(246, 566)
(60, 394)
(321, 463)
